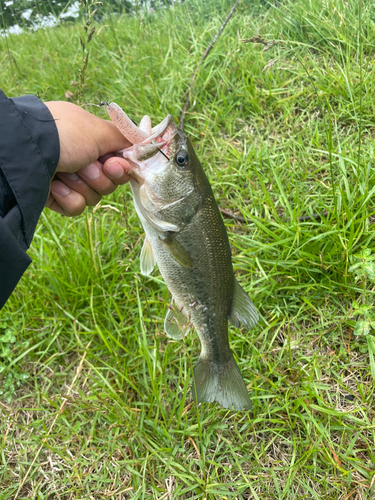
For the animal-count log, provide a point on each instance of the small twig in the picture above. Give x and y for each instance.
(303, 218)
(188, 92)
(268, 44)
(313, 216)
(195, 447)
(229, 215)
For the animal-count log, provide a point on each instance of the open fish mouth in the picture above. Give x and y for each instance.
(153, 153)
(158, 142)
(147, 142)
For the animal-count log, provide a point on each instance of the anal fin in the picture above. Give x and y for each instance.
(243, 310)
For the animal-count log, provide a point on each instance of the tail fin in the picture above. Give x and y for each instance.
(222, 383)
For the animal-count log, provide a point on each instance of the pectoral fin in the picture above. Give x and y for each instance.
(177, 251)
(243, 310)
(175, 323)
(147, 258)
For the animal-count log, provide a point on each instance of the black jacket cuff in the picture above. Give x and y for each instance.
(29, 153)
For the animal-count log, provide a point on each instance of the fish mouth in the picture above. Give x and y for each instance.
(159, 141)
(143, 155)
(162, 129)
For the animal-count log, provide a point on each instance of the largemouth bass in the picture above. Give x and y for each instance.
(186, 237)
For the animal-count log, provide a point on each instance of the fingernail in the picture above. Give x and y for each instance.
(60, 189)
(92, 172)
(115, 170)
(72, 177)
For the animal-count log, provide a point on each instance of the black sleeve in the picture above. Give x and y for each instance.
(29, 153)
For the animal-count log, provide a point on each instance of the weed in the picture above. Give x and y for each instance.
(363, 267)
(10, 347)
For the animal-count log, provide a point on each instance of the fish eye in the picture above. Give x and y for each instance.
(182, 159)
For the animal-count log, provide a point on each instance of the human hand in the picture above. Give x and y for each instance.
(87, 167)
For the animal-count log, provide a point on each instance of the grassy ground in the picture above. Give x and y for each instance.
(96, 399)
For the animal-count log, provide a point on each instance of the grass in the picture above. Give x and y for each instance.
(96, 399)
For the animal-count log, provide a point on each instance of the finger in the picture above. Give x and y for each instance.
(118, 170)
(94, 176)
(106, 157)
(71, 202)
(74, 182)
(54, 206)
(49, 201)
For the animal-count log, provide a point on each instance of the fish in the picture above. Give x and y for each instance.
(186, 237)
